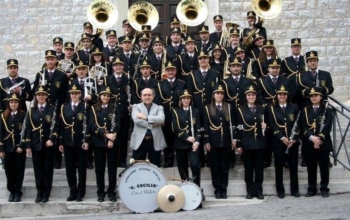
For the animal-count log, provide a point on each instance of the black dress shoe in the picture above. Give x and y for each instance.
(122, 165)
(303, 164)
(58, 166)
(17, 198)
(11, 197)
(267, 164)
(325, 194)
(259, 196)
(168, 165)
(38, 199)
(224, 195)
(200, 206)
(217, 195)
(101, 199)
(90, 166)
(330, 165)
(45, 200)
(249, 196)
(297, 195)
(71, 198)
(232, 165)
(309, 194)
(112, 199)
(286, 165)
(79, 199)
(281, 195)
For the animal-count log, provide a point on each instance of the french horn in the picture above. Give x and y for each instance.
(192, 12)
(267, 9)
(102, 13)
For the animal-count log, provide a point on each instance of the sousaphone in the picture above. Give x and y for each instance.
(142, 13)
(102, 14)
(192, 12)
(267, 9)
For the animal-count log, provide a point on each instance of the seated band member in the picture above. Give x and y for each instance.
(74, 142)
(42, 127)
(283, 119)
(147, 136)
(219, 139)
(252, 143)
(317, 142)
(11, 148)
(104, 126)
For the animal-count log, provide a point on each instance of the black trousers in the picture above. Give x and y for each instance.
(169, 140)
(101, 155)
(43, 163)
(292, 159)
(123, 136)
(14, 164)
(233, 156)
(313, 158)
(145, 148)
(76, 156)
(269, 150)
(182, 158)
(90, 155)
(58, 157)
(219, 167)
(254, 169)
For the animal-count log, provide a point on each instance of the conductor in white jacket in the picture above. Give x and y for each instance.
(147, 136)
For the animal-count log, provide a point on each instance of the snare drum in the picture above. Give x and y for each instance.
(139, 186)
(193, 196)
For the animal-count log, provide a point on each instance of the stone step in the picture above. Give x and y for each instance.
(59, 206)
(237, 173)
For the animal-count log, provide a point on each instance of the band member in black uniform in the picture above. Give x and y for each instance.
(104, 125)
(12, 80)
(112, 47)
(314, 77)
(84, 53)
(145, 81)
(186, 125)
(176, 47)
(42, 129)
(97, 59)
(217, 61)
(96, 41)
(119, 84)
(283, 119)
(204, 44)
(251, 143)
(234, 40)
(189, 59)
(257, 47)
(296, 62)
(167, 95)
(317, 143)
(56, 84)
(128, 31)
(144, 44)
(74, 142)
(68, 57)
(216, 35)
(261, 64)
(174, 23)
(247, 63)
(11, 150)
(219, 139)
(253, 23)
(127, 56)
(58, 46)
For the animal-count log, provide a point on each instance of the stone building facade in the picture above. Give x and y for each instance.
(28, 27)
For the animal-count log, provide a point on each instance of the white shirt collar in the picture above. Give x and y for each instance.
(14, 113)
(76, 104)
(271, 76)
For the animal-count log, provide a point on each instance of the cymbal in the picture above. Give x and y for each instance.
(170, 198)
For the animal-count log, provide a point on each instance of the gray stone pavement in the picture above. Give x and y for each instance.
(334, 207)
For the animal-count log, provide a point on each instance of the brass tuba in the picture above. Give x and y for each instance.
(225, 36)
(192, 12)
(142, 13)
(267, 9)
(102, 13)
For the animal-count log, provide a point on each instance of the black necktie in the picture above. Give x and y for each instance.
(146, 80)
(86, 53)
(315, 109)
(313, 72)
(176, 47)
(284, 108)
(13, 115)
(186, 111)
(104, 108)
(13, 81)
(218, 107)
(159, 58)
(41, 109)
(253, 109)
(118, 79)
(111, 50)
(204, 73)
(171, 83)
(82, 82)
(236, 80)
(204, 46)
(274, 79)
(74, 107)
(218, 33)
(296, 59)
(127, 56)
(50, 75)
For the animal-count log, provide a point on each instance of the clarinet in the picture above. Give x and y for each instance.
(192, 129)
(141, 57)
(323, 120)
(317, 81)
(294, 130)
(21, 140)
(53, 122)
(114, 116)
(231, 128)
(84, 122)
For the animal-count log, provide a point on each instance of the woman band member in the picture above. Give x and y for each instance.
(186, 125)
(218, 139)
(283, 120)
(317, 143)
(252, 143)
(41, 136)
(104, 125)
(11, 151)
(74, 139)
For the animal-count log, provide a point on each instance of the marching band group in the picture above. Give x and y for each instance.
(216, 101)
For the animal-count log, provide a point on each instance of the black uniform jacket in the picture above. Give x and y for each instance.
(101, 123)
(174, 53)
(235, 91)
(217, 130)
(10, 132)
(138, 85)
(250, 137)
(213, 37)
(290, 66)
(311, 124)
(129, 64)
(182, 126)
(168, 96)
(81, 56)
(187, 65)
(38, 127)
(282, 122)
(120, 93)
(26, 94)
(94, 96)
(74, 128)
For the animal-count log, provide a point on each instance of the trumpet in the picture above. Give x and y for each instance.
(98, 72)
(9, 90)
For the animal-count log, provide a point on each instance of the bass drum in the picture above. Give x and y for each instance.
(193, 196)
(139, 186)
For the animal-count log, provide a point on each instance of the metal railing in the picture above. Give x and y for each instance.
(339, 109)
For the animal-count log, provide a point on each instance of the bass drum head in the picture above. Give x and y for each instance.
(139, 186)
(193, 196)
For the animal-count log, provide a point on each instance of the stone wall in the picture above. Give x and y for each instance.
(28, 27)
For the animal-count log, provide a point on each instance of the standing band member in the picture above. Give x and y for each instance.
(283, 120)
(41, 138)
(11, 151)
(74, 142)
(218, 139)
(252, 143)
(317, 125)
(104, 125)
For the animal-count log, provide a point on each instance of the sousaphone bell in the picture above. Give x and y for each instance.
(102, 14)
(142, 13)
(192, 12)
(267, 9)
